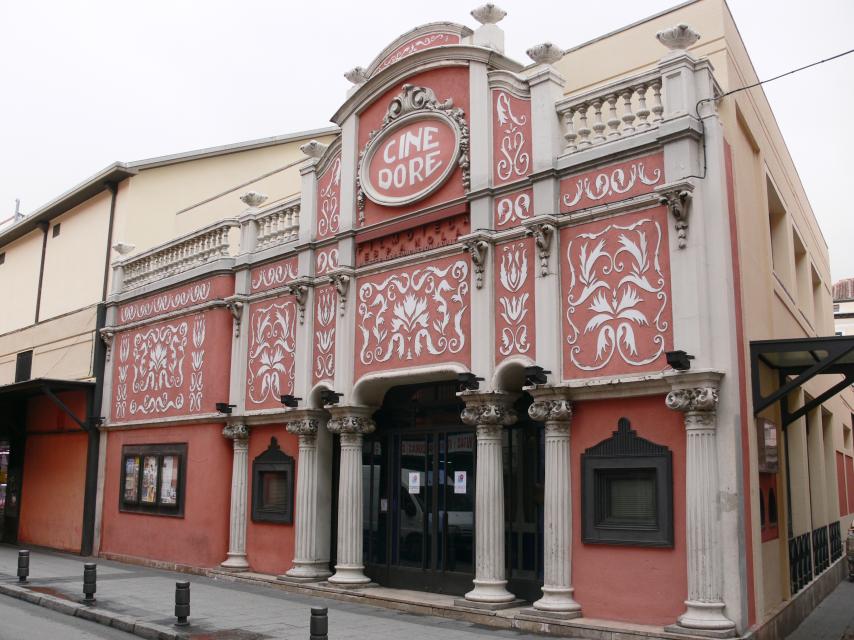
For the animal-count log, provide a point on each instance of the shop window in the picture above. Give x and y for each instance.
(153, 479)
(24, 366)
(273, 486)
(627, 491)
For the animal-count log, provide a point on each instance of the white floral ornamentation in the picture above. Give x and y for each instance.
(161, 304)
(610, 183)
(410, 313)
(271, 350)
(326, 261)
(274, 275)
(513, 276)
(328, 208)
(197, 359)
(324, 338)
(513, 208)
(515, 160)
(158, 366)
(610, 284)
(122, 387)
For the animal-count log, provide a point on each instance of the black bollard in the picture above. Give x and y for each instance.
(89, 580)
(23, 566)
(182, 603)
(319, 624)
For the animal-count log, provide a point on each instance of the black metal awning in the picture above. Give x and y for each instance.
(798, 360)
(48, 387)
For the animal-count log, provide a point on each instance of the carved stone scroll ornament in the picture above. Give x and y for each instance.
(477, 250)
(559, 411)
(415, 99)
(300, 294)
(236, 431)
(678, 203)
(236, 309)
(303, 426)
(488, 14)
(313, 149)
(489, 417)
(107, 338)
(678, 38)
(357, 75)
(545, 53)
(542, 234)
(351, 424)
(697, 399)
(253, 199)
(341, 281)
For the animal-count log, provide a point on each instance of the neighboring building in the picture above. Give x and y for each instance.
(843, 307)
(54, 275)
(607, 242)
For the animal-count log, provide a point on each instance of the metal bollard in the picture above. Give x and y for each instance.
(23, 566)
(182, 603)
(89, 579)
(319, 624)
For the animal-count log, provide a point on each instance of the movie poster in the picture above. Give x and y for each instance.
(149, 480)
(169, 480)
(131, 493)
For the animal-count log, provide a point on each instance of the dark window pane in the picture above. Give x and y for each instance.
(631, 497)
(274, 491)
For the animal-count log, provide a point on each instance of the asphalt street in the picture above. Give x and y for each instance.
(21, 620)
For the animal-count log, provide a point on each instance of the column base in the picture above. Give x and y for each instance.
(489, 592)
(537, 615)
(235, 562)
(558, 600)
(704, 619)
(306, 572)
(349, 576)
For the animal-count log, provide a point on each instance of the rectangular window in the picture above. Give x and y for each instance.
(273, 486)
(153, 479)
(56, 229)
(24, 366)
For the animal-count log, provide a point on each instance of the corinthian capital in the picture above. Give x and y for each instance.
(493, 409)
(551, 410)
(351, 420)
(236, 431)
(696, 399)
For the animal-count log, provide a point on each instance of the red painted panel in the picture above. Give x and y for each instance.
(515, 327)
(54, 479)
(609, 578)
(414, 240)
(172, 368)
(611, 184)
(840, 484)
(326, 260)
(617, 315)
(415, 315)
(200, 538)
(269, 546)
(270, 359)
(453, 83)
(767, 485)
(275, 274)
(511, 137)
(849, 480)
(176, 298)
(512, 209)
(424, 41)
(325, 321)
(329, 198)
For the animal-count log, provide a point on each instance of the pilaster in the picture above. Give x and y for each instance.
(546, 86)
(239, 435)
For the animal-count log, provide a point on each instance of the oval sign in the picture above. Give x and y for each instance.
(410, 160)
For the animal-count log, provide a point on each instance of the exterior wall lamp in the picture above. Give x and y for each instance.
(290, 401)
(468, 381)
(535, 375)
(224, 407)
(679, 360)
(327, 396)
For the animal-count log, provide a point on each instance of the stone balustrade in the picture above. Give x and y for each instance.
(279, 224)
(612, 112)
(184, 253)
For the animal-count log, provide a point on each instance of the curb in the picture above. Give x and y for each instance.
(118, 621)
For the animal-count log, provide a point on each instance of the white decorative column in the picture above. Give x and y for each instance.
(351, 424)
(239, 435)
(704, 614)
(489, 412)
(554, 409)
(310, 562)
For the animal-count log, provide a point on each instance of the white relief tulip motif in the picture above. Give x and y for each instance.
(515, 159)
(324, 336)
(271, 352)
(327, 222)
(513, 275)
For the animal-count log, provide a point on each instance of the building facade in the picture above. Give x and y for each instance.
(510, 340)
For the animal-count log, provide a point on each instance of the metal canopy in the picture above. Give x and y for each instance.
(49, 387)
(798, 360)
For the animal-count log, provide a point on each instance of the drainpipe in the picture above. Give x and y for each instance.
(44, 226)
(113, 188)
(93, 406)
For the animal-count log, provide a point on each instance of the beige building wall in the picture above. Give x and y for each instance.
(845, 326)
(19, 279)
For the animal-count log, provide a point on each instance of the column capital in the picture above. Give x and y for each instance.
(236, 431)
(354, 419)
(551, 404)
(303, 422)
(489, 408)
(692, 400)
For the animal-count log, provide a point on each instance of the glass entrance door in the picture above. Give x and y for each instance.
(419, 470)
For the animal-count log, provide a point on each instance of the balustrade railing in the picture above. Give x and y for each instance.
(278, 225)
(614, 111)
(182, 254)
(835, 541)
(800, 562)
(820, 549)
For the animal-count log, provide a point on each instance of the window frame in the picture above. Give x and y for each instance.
(158, 451)
(273, 460)
(625, 452)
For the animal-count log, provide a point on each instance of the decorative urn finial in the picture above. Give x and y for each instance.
(356, 75)
(488, 13)
(678, 38)
(253, 198)
(313, 149)
(545, 53)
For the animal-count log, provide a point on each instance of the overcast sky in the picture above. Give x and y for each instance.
(86, 82)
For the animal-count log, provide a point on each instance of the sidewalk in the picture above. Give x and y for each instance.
(141, 600)
(833, 619)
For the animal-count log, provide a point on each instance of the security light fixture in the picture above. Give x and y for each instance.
(679, 360)
(224, 407)
(290, 401)
(468, 381)
(536, 375)
(327, 396)
(96, 421)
